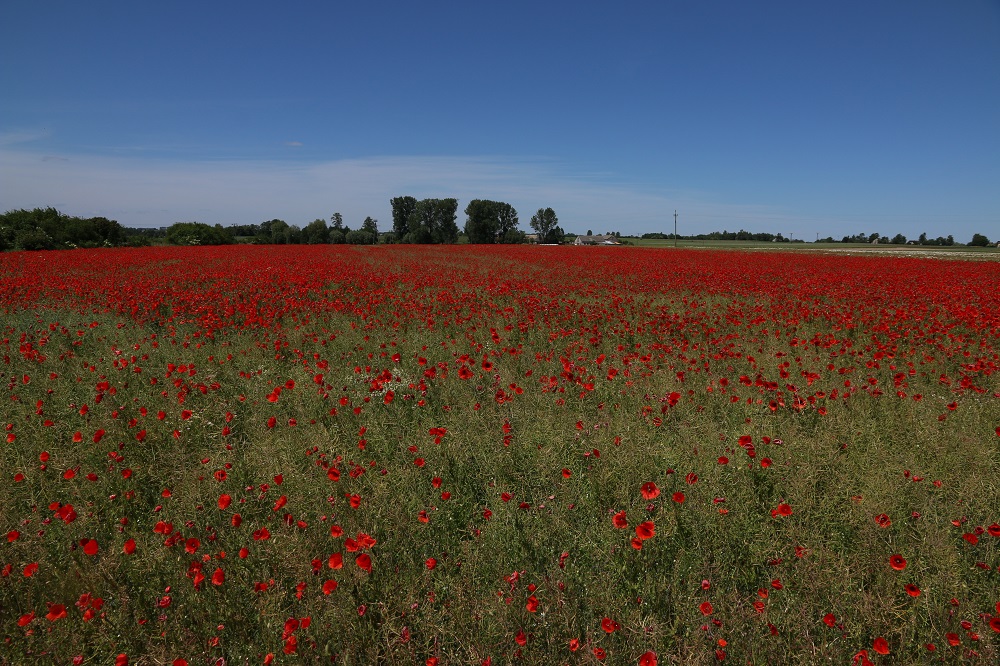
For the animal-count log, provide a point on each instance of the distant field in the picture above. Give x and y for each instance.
(855, 247)
(498, 455)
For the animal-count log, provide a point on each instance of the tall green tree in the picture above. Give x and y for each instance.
(545, 223)
(370, 226)
(433, 221)
(480, 225)
(402, 209)
(491, 222)
(316, 233)
(979, 240)
(272, 232)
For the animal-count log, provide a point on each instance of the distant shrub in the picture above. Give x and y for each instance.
(358, 237)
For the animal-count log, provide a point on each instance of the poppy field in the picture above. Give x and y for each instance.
(468, 455)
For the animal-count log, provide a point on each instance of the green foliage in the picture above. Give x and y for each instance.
(245, 230)
(433, 221)
(48, 229)
(272, 232)
(979, 240)
(492, 222)
(198, 233)
(316, 233)
(370, 225)
(545, 223)
(402, 208)
(359, 237)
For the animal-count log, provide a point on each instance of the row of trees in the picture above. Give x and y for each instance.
(424, 221)
(413, 221)
(487, 222)
(978, 240)
(48, 229)
(278, 232)
(898, 239)
(740, 235)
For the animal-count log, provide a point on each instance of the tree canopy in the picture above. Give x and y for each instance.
(198, 233)
(429, 221)
(545, 223)
(48, 229)
(402, 208)
(492, 222)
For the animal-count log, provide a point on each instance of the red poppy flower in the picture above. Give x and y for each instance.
(953, 639)
(830, 620)
(971, 538)
(648, 659)
(619, 520)
(995, 624)
(649, 491)
(897, 562)
(329, 586)
(532, 604)
(520, 638)
(881, 645)
(912, 590)
(882, 520)
(706, 608)
(218, 577)
(566, 473)
(364, 562)
(678, 497)
(25, 619)
(645, 530)
(90, 546)
(609, 625)
(56, 612)
(225, 501)
(994, 530)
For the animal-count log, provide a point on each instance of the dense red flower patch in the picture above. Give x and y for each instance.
(389, 454)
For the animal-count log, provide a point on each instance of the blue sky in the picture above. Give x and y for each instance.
(793, 117)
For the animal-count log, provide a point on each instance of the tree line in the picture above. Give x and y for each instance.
(487, 221)
(425, 221)
(978, 240)
(48, 229)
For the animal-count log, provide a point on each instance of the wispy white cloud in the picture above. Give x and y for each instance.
(22, 136)
(294, 144)
(140, 192)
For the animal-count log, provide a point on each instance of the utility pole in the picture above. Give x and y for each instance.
(675, 228)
